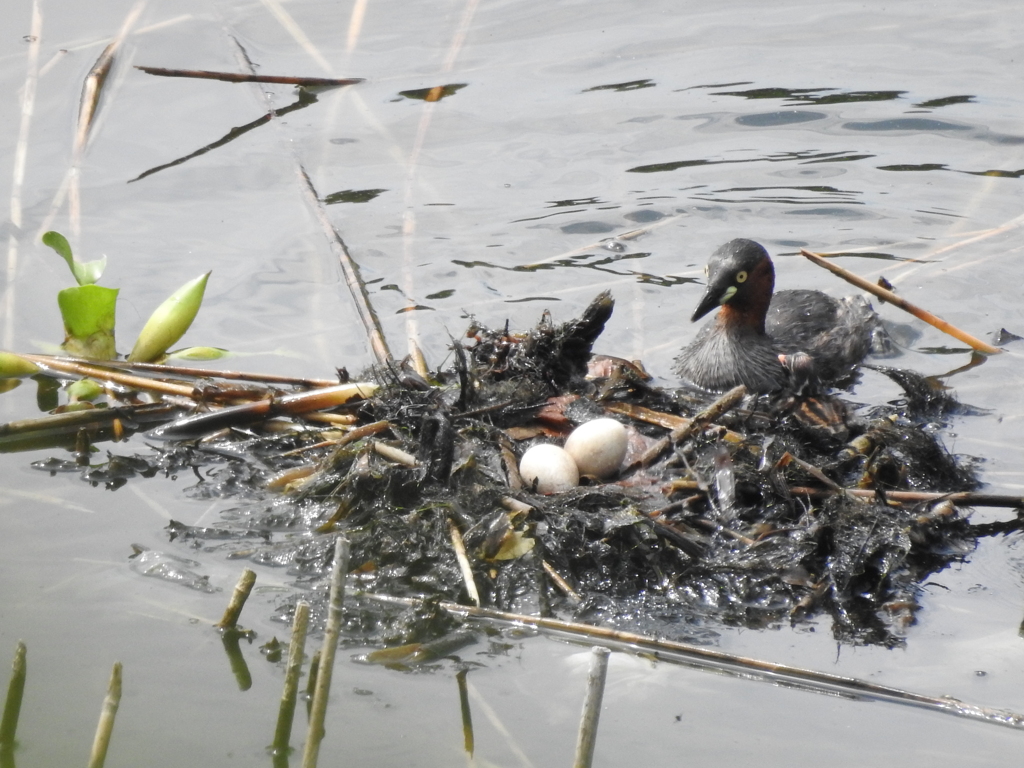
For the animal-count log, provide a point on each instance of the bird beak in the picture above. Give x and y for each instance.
(713, 297)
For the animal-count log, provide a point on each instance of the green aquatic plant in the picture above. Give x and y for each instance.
(89, 311)
(169, 321)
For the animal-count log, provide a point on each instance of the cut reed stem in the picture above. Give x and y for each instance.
(105, 727)
(318, 711)
(592, 707)
(242, 590)
(296, 650)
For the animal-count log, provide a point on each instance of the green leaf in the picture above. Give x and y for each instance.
(198, 354)
(16, 366)
(86, 273)
(88, 312)
(84, 390)
(170, 321)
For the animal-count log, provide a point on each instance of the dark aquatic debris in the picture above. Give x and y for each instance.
(732, 512)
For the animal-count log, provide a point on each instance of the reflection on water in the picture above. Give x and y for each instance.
(671, 120)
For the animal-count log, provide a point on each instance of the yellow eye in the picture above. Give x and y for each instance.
(741, 277)
(707, 270)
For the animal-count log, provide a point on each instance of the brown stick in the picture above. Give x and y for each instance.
(233, 77)
(722, 405)
(902, 303)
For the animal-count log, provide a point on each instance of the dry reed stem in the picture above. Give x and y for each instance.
(906, 306)
(296, 650)
(325, 670)
(464, 565)
(105, 727)
(964, 498)
(103, 374)
(560, 582)
(722, 405)
(201, 373)
(242, 591)
(395, 455)
(591, 707)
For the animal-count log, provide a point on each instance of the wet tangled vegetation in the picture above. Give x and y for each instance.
(758, 512)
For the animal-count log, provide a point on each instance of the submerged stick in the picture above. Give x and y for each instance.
(591, 707)
(707, 658)
(15, 693)
(107, 715)
(318, 711)
(234, 77)
(296, 649)
(906, 306)
(242, 590)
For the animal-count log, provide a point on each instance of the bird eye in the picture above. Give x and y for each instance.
(741, 277)
(707, 270)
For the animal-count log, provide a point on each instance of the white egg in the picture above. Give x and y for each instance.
(551, 467)
(598, 447)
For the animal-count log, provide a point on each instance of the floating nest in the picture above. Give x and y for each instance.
(753, 512)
